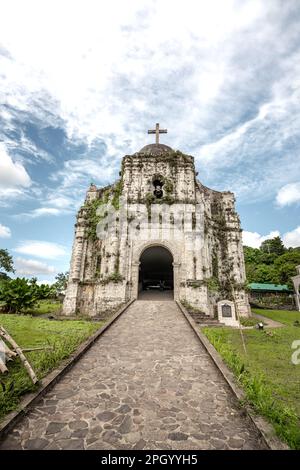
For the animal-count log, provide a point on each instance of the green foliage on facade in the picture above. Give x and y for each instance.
(93, 216)
(116, 194)
(221, 280)
(213, 284)
(114, 277)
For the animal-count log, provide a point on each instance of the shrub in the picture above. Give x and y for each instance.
(19, 294)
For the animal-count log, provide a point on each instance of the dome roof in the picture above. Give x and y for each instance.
(156, 149)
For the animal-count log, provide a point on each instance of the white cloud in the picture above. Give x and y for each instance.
(292, 238)
(7, 196)
(40, 212)
(12, 174)
(32, 267)
(61, 202)
(288, 194)
(5, 232)
(254, 239)
(196, 67)
(78, 174)
(41, 249)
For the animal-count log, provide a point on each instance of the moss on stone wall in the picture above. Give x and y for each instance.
(93, 217)
(215, 264)
(117, 262)
(213, 284)
(193, 220)
(168, 186)
(221, 264)
(114, 277)
(116, 193)
(91, 208)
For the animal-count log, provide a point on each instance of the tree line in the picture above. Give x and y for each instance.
(21, 294)
(272, 262)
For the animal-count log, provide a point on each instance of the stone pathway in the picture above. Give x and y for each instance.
(269, 323)
(146, 384)
(156, 295)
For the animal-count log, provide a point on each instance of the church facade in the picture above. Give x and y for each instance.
(157, 228)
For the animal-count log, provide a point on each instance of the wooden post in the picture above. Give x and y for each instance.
(3, 367)
(11, 341)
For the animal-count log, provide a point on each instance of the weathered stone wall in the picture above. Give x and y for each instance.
(273, 300)
(296, 283)
(197, 225)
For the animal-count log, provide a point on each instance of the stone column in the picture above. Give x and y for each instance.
(70, 301)
(296, 282)
(76, 259)
(135, 280)
(176, 267)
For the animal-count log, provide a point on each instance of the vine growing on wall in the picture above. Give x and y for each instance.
(221, 273)
(93, 217)
(114, 277)
(116, 193)
(213, 284)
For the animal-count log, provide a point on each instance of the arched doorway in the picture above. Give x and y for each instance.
(156, 277)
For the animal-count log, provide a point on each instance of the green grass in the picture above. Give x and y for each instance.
(63, 336)
(270, 380)
(44, 307)
(283, 316)
(249, 321)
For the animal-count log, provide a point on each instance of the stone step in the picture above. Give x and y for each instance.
(201, 319)
(198, 315)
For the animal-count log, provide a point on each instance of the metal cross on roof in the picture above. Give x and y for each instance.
(157, 131)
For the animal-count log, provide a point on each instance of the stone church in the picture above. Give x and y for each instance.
(157, 230)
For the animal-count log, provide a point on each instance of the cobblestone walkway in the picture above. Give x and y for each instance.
(146, 384)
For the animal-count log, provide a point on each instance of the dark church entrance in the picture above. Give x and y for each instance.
(156, 274)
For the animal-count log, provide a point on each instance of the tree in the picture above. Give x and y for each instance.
(285, 266)
(18, 294)
(6, 261)
(252, 255)
(61, 282)
(256, 256)
(260, 273)
(273, 245)
(45, 291)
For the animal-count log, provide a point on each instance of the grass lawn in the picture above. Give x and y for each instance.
(270, 380)
(43, 307)
(46, 307)
(63, 336)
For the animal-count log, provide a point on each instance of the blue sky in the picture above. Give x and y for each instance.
(82, 81)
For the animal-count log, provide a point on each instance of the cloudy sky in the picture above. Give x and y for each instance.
(81, 81)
